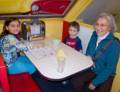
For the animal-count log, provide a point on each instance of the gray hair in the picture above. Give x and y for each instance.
(110, 19)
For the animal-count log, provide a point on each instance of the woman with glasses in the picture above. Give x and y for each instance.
(104, 50)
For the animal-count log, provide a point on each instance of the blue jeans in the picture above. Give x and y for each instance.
(22, 64)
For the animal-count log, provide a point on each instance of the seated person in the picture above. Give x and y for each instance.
(11, 46)
(104, 50)
(72, 39)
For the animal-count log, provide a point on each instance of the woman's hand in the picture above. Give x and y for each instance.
(91, 86)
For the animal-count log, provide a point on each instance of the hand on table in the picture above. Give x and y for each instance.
(91, 86)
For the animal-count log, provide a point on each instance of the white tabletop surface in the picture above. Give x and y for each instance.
(47, 63)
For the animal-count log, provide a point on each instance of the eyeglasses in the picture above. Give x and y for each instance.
(101, 25)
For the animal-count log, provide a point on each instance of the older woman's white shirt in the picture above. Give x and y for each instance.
(101, 38)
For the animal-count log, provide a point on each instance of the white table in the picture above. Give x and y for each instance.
(75, 62)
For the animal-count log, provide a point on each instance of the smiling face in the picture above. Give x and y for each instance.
(73, 32)
(102, 26)
(13, 27)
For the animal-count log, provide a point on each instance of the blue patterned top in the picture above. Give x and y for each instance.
(10, 46)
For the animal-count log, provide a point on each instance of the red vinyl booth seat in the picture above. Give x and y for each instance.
(16, 82)
(22, 83)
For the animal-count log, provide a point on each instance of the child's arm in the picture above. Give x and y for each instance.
(18, 44)
(78, 45)
(64, 41)
(81, 51)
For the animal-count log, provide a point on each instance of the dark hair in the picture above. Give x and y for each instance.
(75, 25)
(6, 23)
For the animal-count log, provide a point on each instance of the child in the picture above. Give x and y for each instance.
(10, 46)
(72, 39)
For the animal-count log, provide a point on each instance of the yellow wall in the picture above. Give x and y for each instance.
(13, 6)
(1, 26)
(117, 17)
(54, 28)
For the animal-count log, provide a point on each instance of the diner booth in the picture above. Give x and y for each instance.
(48, 20)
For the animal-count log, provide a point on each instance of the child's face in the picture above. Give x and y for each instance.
(73, 32)
(13, 27)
